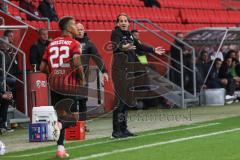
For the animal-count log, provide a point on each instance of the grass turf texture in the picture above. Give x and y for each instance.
(223, 146)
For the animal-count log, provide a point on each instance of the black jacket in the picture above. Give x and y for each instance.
(214, 75)
(225, 72)
(8, 58)
(36, 52)
(46, 11)
(120, 38)
(89, 51)
(201, 72)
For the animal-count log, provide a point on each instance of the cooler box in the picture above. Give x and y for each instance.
(38, 132)
(212, 97)
(45, 114)
(77, 132)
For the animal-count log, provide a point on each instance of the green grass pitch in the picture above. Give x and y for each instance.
(215, 140)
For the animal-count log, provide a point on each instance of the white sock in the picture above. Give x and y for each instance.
(61, 148)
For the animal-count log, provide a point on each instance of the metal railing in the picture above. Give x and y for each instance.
(28, 13)
(6, 70)
(218, 50)
(141, 22)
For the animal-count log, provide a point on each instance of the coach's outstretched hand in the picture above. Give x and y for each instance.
(159, 50)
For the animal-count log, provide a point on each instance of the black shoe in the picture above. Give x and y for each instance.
(128, 133)
(118, 135)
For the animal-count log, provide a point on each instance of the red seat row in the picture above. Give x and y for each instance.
(195, 4)
(208, 16)
(109, 13)
(101, 14)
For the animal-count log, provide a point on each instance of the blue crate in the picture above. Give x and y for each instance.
(38, 132)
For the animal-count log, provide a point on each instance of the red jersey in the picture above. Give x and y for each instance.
(59, 55)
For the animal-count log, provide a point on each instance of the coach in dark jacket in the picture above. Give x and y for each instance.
(47, 9)
(89, 51)
(125, 50)
(38, 48)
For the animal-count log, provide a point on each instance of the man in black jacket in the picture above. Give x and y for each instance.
(5, 97)
(38, 48)
(202, 67)
(228, 81)
(5, 100)
(125, 50)
(4, 48)
(213, 79)
(89, 51)
(47, 9)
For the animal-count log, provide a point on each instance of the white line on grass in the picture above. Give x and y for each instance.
(110, 141)
(156, 144)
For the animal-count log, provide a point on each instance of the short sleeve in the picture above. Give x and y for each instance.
(76, 49)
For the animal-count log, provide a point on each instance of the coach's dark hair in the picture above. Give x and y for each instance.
(7, 32)
(122, 14)
(63, 22)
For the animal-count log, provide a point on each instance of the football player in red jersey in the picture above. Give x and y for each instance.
(62, 62)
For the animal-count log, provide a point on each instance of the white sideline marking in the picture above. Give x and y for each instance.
(110, 141)
(156, 144)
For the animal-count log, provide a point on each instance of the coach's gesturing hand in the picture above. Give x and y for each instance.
(128, 46)
(159, 50)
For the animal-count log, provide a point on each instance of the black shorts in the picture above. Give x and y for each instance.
(69, 103)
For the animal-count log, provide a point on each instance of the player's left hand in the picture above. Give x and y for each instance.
(104, 78)
(159, 50)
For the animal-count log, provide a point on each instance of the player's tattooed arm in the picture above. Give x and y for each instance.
(78, 65)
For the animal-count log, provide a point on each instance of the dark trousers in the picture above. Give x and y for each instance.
(214, 84)
(120, 117)
(119, 72)
(231, 87)
(3, 112)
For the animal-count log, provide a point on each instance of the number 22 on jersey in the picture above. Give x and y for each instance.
(59, 57)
